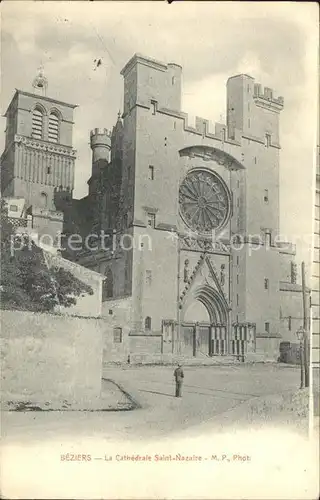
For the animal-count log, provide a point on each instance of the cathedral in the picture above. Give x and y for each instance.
(182, 219)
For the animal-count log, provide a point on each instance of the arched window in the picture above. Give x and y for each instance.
(37, 123)
(109, 283)
(53, 127)
(147, 323)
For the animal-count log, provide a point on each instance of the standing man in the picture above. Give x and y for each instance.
(179, 376)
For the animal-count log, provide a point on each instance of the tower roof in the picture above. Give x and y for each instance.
(44, 98)
(147, 61)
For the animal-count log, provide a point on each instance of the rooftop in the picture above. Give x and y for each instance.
(148, 61)
(44, 98)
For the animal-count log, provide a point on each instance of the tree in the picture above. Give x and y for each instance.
(6, 226)
(27, 283)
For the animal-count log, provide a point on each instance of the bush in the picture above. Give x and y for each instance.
(26, 282)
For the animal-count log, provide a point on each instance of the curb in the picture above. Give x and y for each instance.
(197, 365)
(135, 404)
(23, 407)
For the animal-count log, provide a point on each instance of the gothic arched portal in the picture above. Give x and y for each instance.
(208, 333)
(214, 303)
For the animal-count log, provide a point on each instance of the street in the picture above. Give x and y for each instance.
(207, 392)
(74, 454)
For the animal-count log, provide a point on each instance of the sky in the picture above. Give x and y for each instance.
(275, 42)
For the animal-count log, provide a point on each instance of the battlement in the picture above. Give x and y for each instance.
(203, 127)
(100, 131)
(264, 96)
(208, 128)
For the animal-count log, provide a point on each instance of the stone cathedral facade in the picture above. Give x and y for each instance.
(189, 213)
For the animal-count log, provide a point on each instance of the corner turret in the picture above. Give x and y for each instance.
(100, 142)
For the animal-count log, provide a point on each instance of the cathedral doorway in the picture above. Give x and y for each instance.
(196, 312)
(204, 325)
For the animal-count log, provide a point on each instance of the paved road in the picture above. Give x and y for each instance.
(207, 392)
(34, 442)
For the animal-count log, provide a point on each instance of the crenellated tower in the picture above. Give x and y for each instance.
(255, 112)
(256, 190)
(105, 181)
(100, 143)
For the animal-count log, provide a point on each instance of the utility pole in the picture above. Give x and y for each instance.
(305, 327)
(178, 329)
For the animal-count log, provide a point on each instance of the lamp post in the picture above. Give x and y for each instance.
(301, 336)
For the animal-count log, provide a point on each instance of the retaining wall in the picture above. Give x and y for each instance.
(50, 356)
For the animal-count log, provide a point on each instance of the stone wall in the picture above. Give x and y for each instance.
(117, 314)
(291, 314)
(146, 348)
(50, 356)
(117, 310)
(268, 349)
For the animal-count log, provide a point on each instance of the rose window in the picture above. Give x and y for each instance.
(204, 201)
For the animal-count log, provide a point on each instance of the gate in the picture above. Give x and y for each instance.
(188, 340)
(203, 341)
(243, 339)
(219, 340)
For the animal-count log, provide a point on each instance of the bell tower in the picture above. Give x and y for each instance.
(38, 155)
